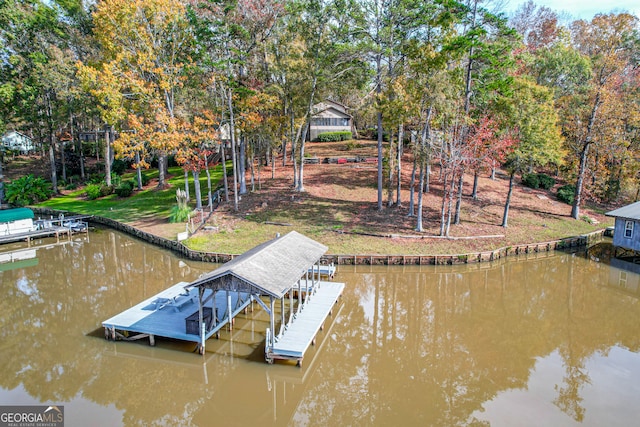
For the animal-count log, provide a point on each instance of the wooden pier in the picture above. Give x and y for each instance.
(49, 228)
(284, 267)
(295, 337)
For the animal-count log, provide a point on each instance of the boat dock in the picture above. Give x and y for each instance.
(173, 313)
(48, 228)
(323, 270)
(296, 336)
(275, 270)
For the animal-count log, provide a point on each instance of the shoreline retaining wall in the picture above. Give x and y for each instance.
(568, 243)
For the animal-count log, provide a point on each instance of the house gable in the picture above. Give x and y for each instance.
(329, 116)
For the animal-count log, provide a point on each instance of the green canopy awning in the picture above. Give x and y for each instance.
(8, 215)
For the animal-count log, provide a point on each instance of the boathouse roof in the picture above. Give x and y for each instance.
(273, 267)
(8, 215)
(631, 211)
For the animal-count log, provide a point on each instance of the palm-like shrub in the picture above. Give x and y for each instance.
(27, 190)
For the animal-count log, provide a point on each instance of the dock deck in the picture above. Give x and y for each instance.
(168, 313)
(300, 333)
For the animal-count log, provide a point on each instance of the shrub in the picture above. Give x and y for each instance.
(92, 191)
(27, 190)
(144, 178)
(71, 186)
(105, 190)
(546, 181)
(125, 188)
(119, 166)
(96, 178)
(344, 135)
(181, 211)
(566, 193)
(530, 180)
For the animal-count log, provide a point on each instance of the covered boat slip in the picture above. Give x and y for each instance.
(265, 274)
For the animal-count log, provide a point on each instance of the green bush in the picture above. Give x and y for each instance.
(566, 193)
(119, 166)
(343, 135)
(105, 190)
(546, 181)
(27, 190)
(125, 188)
(530, 180)
(145, 179)
(92, 191)
(71, 186)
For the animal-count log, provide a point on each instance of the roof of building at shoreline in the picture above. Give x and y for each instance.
(631, 211)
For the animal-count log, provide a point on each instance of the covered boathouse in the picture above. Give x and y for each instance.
(265, 274)
(626, 233)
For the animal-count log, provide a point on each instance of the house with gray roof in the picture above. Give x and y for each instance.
(329, 116)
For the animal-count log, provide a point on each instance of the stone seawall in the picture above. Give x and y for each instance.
(584, 240)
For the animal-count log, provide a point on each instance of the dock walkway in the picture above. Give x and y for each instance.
(300, 333)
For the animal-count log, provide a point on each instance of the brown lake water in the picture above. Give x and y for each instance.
(549, 340)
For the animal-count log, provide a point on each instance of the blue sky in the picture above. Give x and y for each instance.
(582, 9)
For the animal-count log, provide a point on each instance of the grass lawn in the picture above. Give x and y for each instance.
(148, 203)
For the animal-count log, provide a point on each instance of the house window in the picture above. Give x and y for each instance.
(628, 228)
(330, 121)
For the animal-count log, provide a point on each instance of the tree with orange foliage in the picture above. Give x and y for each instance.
(146, 46)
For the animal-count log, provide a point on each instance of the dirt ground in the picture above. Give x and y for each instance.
(353, 187)
(342, 197)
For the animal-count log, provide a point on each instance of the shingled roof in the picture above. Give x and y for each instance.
(631, 211)
(273, 267)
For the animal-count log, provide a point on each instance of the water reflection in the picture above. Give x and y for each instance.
(528, 341)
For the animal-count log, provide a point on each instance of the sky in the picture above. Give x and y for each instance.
(581, 9)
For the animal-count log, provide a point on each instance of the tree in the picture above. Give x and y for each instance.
(608, 41)
(147, 46)
(532, 132)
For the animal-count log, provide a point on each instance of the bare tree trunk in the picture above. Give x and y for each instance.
(505, 216)
(443, 207)
(253, 173)
(138, 171)
(232, 132)
(242, 164)
(459, 198)
(420, 199)
(399, 165)
(209, 195)
(107, 157)
(575, 209)
(52, 162)
(412, 186)
(162, 158)
(196, 187)
(225, 179)
(186, 185)
(392, 174)
(474, 193)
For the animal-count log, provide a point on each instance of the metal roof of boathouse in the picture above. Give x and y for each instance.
(631, 211)
(272, 267)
